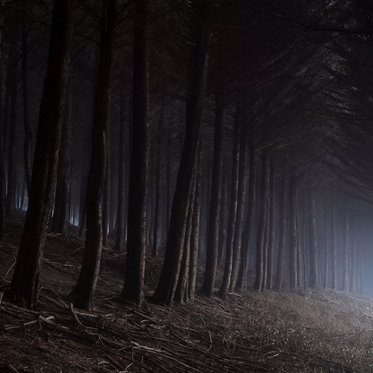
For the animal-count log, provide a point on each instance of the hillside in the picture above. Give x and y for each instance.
(304, 331)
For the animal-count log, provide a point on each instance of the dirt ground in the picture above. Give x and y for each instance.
(303, 331)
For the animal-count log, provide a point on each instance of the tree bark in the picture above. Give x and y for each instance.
(24, 288)
(26, 112)
(242, 275)
(235, 186)
(313, 276)
(345, 261)
(107, 188)
(181, 292)
(327, 250)
(11, 171)
(271, 227)
(333, 243)
(215, 204)
(260, 240)
(120, 239)
(195, 101)
(241, 211)
(85, 288)
(157, 181)
(293, 226)
(2, 125)
(61, 205)
(283, 207)
(195, 238)
(137, 199)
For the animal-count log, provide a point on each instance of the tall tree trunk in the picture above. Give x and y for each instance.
(215, 204)
(293, 226)
(181, 292)
(260, 239)
(85, 288)
(283, 207)
(235, 186)
(195, 238)
(333, 247)
(26, 112)
(345, 261)
(120, 239)
(24, 289)
(2, 124)
(313, 276)
(242, 275)
(327, 250)
(11, 187)
(266, 230)
(271, 227)
(157, 181)
(195, 101)
(300, 254)
(2, 27)
(353, 271)
(222, 241)
(137, 199)
(241, 211)
(83, 201)
(168, 182)
(2, 180)
(107, 188)
(61, 205)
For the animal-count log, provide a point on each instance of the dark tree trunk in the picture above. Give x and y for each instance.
(327, 250)
(241, 211)
(333, 248)
(266, 229)
(304, 240)
(242, 275)
(271, 227)
(301, 253)
(195, 101)
(120, 239)
(83, 201)
(345, 261)
(107, 188)
(195, 239)
(11, 187)
(181, 292)
(157, 202)
(2, 27)
(26, 112)
(137, 198)
(313, 276)
(260, 239)
(2, 126)
(2, 182)
(85, 288)
(168, 182)
(353, 271)
(223, 221)
(24, 289)
(215, 204)
(182, 288)
(235, 186)
(293, 226)
(61, 205)
(283, 207)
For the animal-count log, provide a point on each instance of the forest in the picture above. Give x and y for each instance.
(186, 186)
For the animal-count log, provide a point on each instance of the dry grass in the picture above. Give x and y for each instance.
(305, 331)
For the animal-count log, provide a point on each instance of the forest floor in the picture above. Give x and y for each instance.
(303, 331)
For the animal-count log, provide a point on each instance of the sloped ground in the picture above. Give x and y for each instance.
(306, 331)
